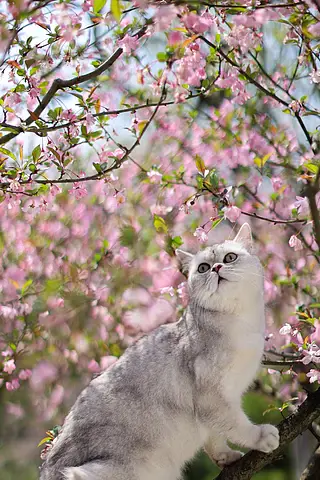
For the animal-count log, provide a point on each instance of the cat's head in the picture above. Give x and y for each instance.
(226, 276)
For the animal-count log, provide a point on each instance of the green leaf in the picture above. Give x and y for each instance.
(98, 5)
(214, 179)
(26, 286)
(311, 167)
(176, 242)
(216, 222)
(116, 10)
(44, 440)
(160, 224)
(97, 166)
(8, 153)
(261, 161)
(200, 164)
(162, 57)
(36, 152)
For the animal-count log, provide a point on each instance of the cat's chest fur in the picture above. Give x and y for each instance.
(245, 349)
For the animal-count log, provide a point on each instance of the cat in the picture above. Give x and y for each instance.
(178, 389)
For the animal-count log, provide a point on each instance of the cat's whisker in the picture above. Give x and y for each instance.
(251, 282)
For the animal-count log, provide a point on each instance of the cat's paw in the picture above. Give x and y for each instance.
(269, 439)
(226, 458)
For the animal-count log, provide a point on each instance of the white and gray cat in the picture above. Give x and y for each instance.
(178, 389)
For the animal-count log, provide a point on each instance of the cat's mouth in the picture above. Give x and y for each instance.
(221, 279)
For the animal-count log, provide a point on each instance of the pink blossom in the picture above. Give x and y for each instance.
(302, 205)
(201, 235)
(296, 106)
(191, 68)
(15, 410)
(12, 99)
(7, 353)
(197, 23)
(314, 376)
(25, 374)
(55, 302)
(311, 355)
(120, 197)
(13, 385)
(128, 43)
(295, 243)
(107, 361)
(232, 213)
(87, 5)
(34, 92)
(169, 290)
(9, 366)
(315, 29)
(175, 37)
(286, 329)
(89, 121)
(164, 16)
(69, 115)
(155, 176)
(243, 38)
(93, 366)
(78, 190)
(315, 76)
(42, 374)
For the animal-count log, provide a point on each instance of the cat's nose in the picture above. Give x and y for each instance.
(217, 267)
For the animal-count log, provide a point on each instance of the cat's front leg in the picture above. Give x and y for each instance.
(219, 451)
(241, 431)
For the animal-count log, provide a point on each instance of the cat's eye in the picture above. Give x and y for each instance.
(203, 267)
(230, 257)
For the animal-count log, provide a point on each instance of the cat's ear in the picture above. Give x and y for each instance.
(244, 237)
(184, 260)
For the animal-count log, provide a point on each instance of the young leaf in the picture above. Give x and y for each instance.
(98, 5)
(8, 153)
(44, 440)
(36, 152)
(160, 224)
(200, 164)
(116, 10)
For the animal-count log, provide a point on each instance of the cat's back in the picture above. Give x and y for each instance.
(126, 408)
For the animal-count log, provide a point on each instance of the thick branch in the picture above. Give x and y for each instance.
(289, 429)
(312, 470)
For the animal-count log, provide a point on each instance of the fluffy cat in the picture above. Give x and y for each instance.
(178, 389)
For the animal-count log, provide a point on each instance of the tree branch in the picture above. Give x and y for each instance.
(289, 429)
(244, 7)
(44, 130)
(59, 84)
(311, 472)
(311, 193)
(98, 176)
(258, 85)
